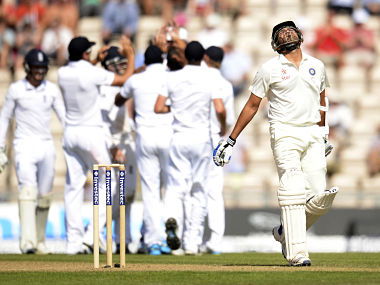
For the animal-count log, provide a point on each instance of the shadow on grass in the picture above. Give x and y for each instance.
(257, 265)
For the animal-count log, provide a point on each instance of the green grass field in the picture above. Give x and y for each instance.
(234, 269)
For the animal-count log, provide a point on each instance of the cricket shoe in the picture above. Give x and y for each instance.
(87, 249)
(178, 252)
(300, 261)
(30, 251)
(127, 251)
(142, 249)
(154, 249)
(278, 235)
(42, 249)
(164, 248)
(192, 252)
(208, 250)
(171, 236)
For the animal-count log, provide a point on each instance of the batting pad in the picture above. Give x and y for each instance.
(319, 205)
(293, 222)
(42, 213)
(27, 211)
(292, 188)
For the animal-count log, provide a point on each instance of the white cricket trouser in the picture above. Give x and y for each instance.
(35, 164)
(299, 156)
(300, 148)
(189, 160)
(215, 203)
(152, 151)
(83, 146)
(34, 160)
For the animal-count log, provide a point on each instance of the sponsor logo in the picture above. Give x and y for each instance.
(121, 187)
(108, 188)
(312, 71)
(95, 188)
(284, 74)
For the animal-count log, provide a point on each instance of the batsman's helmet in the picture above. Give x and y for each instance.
(35, 57)
(114, 60)
(287, 43)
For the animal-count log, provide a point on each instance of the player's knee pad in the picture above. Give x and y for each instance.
(292, 188)
(320, 204)
(294, 228)
(28, 193)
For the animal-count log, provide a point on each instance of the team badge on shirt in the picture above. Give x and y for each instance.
(312, 71)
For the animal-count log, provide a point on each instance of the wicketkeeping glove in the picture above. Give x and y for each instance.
(3, 159)
(328, 147)
(222, 153)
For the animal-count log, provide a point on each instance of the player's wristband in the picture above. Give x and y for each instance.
(231, 141)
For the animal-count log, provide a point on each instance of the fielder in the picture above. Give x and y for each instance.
(30, 101)
(294, 83)
(154, 133)
(84, 140)
(118, 123)
(190, 95)
(215, 180)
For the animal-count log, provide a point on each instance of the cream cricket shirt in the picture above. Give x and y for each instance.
(31, 106)
(80, 82)
(293, 93)
(144, 88)
(191, 92)
(224, 89)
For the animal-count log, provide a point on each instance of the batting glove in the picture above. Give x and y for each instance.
(222, 153)
(3, 159)
(328, 147)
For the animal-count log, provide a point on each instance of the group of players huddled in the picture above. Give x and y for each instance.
(115, 113)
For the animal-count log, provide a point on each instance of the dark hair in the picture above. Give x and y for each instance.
(173, 59)
(215, 53)
(153, 54)
(77, 47)
(194, 52)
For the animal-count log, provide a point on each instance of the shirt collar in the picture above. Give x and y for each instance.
(79, 62)
(29, 86)
(155, 66)
(192, 66)
(214, 69)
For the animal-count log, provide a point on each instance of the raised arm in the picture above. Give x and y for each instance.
(129, 53)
